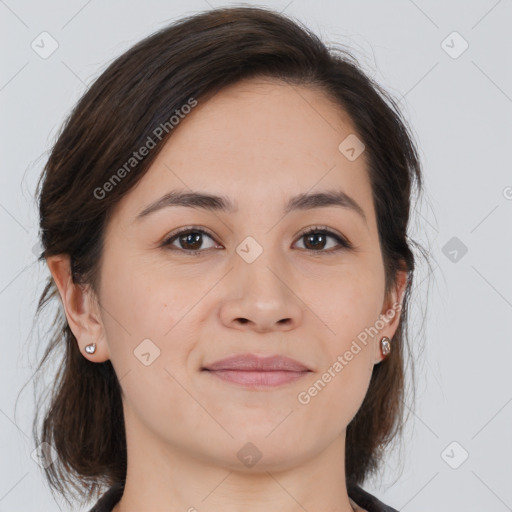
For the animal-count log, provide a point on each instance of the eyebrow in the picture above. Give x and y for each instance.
(211, 202)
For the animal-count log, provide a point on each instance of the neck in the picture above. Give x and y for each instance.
(162, 477)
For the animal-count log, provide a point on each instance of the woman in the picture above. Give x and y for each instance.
(224, 217)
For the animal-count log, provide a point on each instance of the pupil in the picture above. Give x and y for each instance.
(312, 236)
(191, 236)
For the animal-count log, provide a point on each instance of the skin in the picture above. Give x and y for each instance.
(257, 142)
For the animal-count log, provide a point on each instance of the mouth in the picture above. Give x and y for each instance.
(251, 371)
(256, 379)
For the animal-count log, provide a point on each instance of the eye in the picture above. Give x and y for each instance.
(317, 236)
(190, 240)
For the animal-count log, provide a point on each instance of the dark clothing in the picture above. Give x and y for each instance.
(364, 499)
(367, 501)
(109, 500)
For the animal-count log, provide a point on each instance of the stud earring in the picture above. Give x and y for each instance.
(385, 346)
(90, 349)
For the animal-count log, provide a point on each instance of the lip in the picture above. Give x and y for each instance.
(257, 380)
(251, 371)
(254, 363)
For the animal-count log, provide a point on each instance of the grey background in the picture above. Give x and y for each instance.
(460, 110)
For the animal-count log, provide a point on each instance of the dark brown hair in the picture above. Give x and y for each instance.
(141, 90)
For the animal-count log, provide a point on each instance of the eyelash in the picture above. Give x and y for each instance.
(344, 244)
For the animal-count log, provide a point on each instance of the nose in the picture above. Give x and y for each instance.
(261, 297)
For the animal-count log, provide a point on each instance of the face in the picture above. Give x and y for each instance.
(246, 280)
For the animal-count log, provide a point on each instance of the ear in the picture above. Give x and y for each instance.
(391, 313)
(81, 309)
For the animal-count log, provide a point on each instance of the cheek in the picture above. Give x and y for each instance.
(146, 332)
(148, 316)
(143, 301)
(349, 304)
(349, 310)
(329, 401)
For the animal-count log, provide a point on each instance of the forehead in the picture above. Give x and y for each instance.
(259, 141)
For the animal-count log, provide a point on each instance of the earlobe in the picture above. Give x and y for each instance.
(83, 318)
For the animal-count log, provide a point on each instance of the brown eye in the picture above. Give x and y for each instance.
(316, 240)
(189, 240)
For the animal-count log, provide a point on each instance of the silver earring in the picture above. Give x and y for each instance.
(385, 346)
(90, 349)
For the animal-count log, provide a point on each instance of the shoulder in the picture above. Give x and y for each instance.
(367, 501)
(108, 500)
